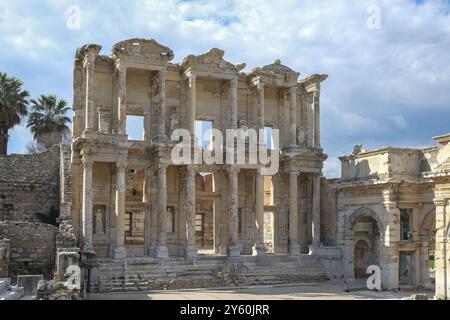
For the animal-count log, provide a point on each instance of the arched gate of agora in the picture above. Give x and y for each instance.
(363, 238)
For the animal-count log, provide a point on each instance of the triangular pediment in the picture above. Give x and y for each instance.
(212, 60)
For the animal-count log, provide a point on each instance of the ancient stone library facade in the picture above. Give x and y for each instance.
(117, 204)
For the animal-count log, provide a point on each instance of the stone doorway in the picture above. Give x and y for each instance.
(406, 268)
(361, 259)
(204, 226)
(269, 232)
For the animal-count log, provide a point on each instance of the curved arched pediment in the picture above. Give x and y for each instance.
(143, 48)
(428, 223)
(364, 212)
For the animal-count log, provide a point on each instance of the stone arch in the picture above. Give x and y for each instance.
(364, 212)
(427, 223)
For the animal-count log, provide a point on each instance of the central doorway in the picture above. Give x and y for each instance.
(269, 234)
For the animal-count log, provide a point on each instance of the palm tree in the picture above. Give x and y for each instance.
(48, 121)
(13, 107)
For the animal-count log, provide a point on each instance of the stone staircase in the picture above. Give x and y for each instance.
(8, 292)
(143, 274)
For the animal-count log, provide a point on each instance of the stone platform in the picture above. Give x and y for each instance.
(143, 274)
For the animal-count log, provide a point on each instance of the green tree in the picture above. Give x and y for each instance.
(13, 107)
(48, 121)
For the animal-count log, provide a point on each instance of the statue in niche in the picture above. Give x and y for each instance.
(99, 221)
(301, 137)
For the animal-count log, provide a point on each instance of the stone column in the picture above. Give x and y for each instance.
(316, 212)
(260, 107)
(87, 205)
(191, 249)
(89, 65)
(192, 102)
(121, 99)
(233, 248)
(441, 254)
(161, 250)
(259, 249)
(162, 137)
(389, 260)
(234, 105)
(424, 269)
(293, 115)
(294, 248)
(119, 246)
(316, 102)
(147, 217)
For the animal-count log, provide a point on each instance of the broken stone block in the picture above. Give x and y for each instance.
(29, 283)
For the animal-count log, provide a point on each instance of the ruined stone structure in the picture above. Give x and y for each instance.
(393, 210)
(128, 196)
(135, 220)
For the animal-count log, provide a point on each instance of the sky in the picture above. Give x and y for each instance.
(388, 61)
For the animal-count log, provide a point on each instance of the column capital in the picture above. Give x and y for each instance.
(233, 170)
(120, 67)
(191, 76)
(294, 173)
(87, 162)
(121, 165)
(234, 83)
(260, 86)
(162, 73)
(440, 202)
(292, 91)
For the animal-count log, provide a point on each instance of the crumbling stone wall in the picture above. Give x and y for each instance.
(29, 186)
(4, 257)
(32, 247)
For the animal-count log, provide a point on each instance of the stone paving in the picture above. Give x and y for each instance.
(318, 291)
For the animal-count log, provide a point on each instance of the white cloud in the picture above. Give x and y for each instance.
(400, 69)
(399, 122)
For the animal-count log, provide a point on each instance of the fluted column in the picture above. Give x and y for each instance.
(161, 250)
(121, 99)
(162, 137)
(259, 249)
(192, 102)
(234, 105)
(147, 217)
(233, 249)
(316, 103)
(260, 106)
(316, 211)
(89, 65)
(441, 251)
(191, 249)
(293, 115)
(87, 205)
(119, 246)
(294, 247)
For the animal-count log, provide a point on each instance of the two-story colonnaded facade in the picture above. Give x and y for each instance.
(130, 199)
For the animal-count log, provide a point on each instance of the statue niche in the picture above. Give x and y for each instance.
(100, 222)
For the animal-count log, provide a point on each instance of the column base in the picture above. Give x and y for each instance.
(233, 251)
(120, 253)
(259, 250)
(191, 252)
(294, 250)
(161, 252)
